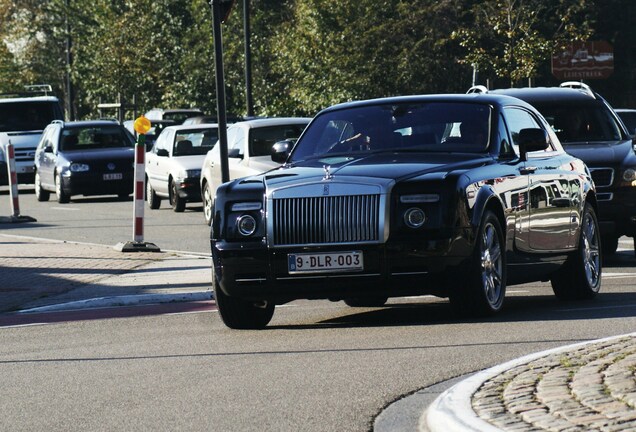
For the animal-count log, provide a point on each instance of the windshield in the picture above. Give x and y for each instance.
(95, 137)
(581, 123)
(194, 142)
(428, 127)
(27, 116)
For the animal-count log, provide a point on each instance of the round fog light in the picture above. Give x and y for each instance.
(414, 217)
(629, 175)
(246, 225)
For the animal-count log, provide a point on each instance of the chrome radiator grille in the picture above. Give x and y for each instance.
(602, 177)
(326, 220)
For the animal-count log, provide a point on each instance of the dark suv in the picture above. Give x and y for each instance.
(590, 129)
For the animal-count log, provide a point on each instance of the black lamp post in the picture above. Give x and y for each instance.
(220, 12)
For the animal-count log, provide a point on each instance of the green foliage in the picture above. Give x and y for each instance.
(306, 54)
(512, 38)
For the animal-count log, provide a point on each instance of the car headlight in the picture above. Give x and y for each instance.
(414, 217)
(79, 167)
(190, 173)
(246, 225)
(629, 175)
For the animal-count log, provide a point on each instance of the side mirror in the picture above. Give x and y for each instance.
(234, 153)
(532, 139)
(281, 149)
(163, 153)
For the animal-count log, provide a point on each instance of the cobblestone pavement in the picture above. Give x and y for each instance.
(585, 387)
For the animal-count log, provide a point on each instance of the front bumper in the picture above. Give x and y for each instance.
(189, 189)
(618, 216)
(254, 271)
(25, 173)
(89, 183)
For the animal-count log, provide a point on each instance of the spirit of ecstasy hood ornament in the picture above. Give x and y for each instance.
(328, 175)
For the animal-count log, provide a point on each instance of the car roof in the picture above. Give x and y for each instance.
(483, 98)
(30, 99)
(88, 123)
(191, 127)
(272, 121)
(547, 94)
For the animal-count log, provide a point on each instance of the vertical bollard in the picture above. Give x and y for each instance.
(142, 126)
(13, 181)
(13, 185)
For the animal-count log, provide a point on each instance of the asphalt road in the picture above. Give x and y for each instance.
(107, 220)
(319, 366)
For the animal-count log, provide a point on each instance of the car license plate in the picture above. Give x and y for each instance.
(325, 262)
(113, 176)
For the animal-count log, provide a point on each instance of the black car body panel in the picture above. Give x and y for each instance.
(353, 205)
(603, 143)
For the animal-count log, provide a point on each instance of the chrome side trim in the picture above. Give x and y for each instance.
(605, 196)
(251, 280)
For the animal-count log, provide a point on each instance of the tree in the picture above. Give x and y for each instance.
(512, 38)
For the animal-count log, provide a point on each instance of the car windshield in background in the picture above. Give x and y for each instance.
(581, 123)
(629, 118)
(427, 127)
(194, 142)
(91, 138)
(23, 116)
(263, 138)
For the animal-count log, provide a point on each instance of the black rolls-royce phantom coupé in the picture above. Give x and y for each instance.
(452, 195)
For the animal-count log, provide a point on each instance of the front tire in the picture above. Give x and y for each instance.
(208, 203)
(62, 196)
(609, 244)
(40, 193)
(482, 290)
(241, 314)
(580, 276)
(154, 202)
(178, 204)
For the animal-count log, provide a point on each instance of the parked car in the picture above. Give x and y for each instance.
(173, 166)
(177, 115)
(457, 196)
(23, 117)
(629, 119)
(250, 145)
(93, 157)
(156, 126)
(589, 129)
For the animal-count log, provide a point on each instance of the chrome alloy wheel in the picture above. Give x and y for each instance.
(491, 265)
(591, 255)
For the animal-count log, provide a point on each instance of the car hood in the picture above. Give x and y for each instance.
(99, 154)
(602, 153)
(384, 168)
(21, 139)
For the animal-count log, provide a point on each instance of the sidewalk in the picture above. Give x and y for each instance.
(43, 275)
(584, 387)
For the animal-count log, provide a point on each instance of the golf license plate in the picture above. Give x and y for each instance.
(325, 262)
(113, 176)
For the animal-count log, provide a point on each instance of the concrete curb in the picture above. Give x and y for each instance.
(452, 410)
(125, 300)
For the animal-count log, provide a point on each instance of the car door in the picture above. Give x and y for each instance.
(159, 162)
(46, 157)
(547, 223)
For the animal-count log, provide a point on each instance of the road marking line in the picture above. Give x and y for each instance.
(597, 308)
